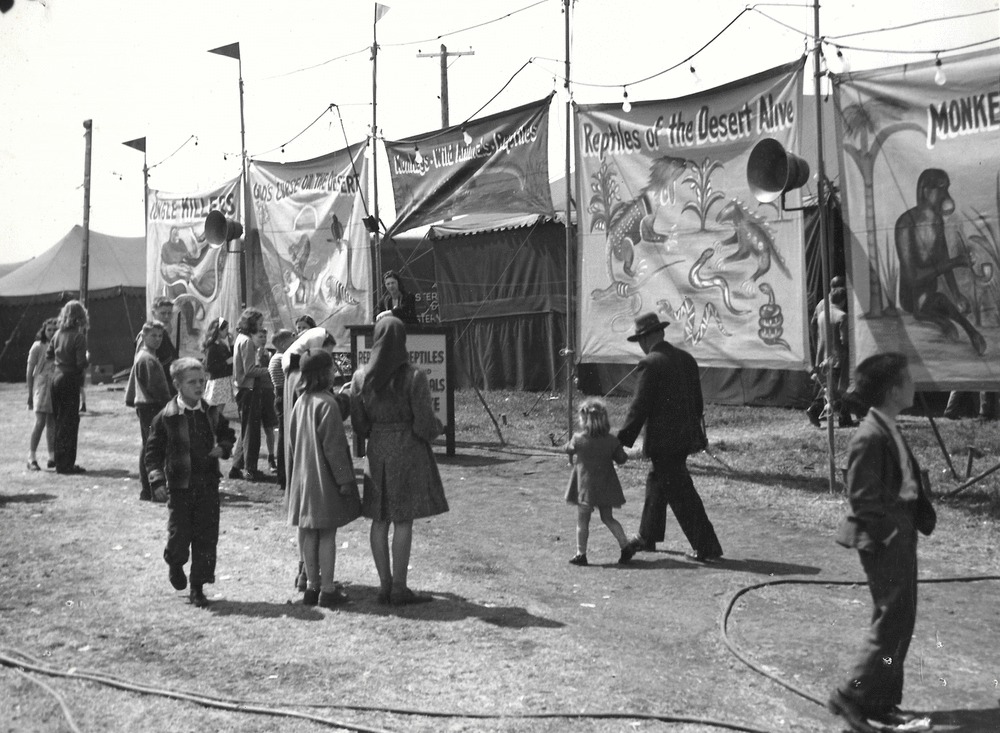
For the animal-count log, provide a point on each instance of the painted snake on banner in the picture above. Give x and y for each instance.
(716, 281)
(688, 313)
(771, 320)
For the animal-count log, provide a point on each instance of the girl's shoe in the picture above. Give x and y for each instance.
(628, 552)
(579, 558)
(311, 597)
(33, 466)
(406, 597)
(337, 597)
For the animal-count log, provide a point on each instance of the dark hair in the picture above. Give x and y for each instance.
(876, 375)
(41, 336)
(309, 321)
(250, 320)
(152, 325)
(394, 275)
(161, 302)
(838, 297)
(212, 335)
(317, 374)
(282, 338)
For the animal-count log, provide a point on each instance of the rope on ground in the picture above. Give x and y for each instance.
(59, 698)
(724, 619)
(265, 708)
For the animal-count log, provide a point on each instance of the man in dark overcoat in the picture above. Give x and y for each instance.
(668, 402)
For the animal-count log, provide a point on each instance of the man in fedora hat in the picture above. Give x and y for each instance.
(668, 402)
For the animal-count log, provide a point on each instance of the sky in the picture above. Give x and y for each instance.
(142, 69)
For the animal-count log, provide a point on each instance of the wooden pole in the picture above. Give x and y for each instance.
(376, 235)
(568, 352)
(826, 257)
(85, 250)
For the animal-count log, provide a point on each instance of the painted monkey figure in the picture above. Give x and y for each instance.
(923, 257)
(632, 222)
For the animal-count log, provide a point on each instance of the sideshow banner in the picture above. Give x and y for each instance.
(667, 224)
(502, 169)
(202, 279)
(314, 248)
(920, 169)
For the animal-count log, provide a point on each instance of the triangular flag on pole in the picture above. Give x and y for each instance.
(138, 144)
(232, 50)
(380, 10)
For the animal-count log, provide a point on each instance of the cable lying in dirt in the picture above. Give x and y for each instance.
(258, 708)
(724, 620)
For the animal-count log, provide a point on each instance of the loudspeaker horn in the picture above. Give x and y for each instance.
(772, 171)
(219, 229)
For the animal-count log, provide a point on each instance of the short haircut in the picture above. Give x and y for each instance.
(183, 365)
(876, 375)
(250, 320)
(309, 321)
(838, 297)
(151, 325)
(162, 302)
(282, 338)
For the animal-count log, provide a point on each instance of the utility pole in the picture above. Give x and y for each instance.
(444, 53)
(85, 251)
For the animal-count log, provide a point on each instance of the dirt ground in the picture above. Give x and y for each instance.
(515, 634)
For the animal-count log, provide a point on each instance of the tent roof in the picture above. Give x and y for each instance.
(114, 262)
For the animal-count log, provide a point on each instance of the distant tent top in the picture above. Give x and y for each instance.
(114, 262)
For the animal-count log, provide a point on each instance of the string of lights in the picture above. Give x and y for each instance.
(192, 137)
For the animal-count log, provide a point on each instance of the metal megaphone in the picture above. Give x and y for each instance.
(772, 171)
(219, 229)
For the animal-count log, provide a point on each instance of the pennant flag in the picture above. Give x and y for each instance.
(380, 10)
(138, 144)
(232, 50)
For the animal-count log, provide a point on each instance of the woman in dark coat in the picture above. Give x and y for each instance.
(391, 409)
(68, 348)
(397, 302)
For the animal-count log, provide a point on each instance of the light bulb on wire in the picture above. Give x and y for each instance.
(466, 137)
(694, 74)
(626, 105)
(845, 65)
(939, 78)
(417, 156)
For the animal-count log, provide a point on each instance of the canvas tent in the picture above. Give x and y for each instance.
(500, 284)
(37, 290)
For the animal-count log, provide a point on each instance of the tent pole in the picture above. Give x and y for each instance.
(824, 242)
(85, 250)
(376, 237)
(568, 351)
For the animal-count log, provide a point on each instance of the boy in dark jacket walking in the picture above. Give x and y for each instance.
(185, 442)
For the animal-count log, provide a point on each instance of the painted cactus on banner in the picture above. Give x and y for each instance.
(313, 245)
(201, 278)
(668, 225)
(920, 162)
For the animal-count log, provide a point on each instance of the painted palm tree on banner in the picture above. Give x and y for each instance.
(863, 120)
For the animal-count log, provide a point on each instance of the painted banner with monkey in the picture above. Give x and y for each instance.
(668, 225)
(203, 279)
(920, 170)
(314, 248)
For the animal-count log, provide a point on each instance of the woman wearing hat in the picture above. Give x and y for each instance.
(391, 409)
(322, 493)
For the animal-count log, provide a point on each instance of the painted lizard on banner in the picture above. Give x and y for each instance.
(752, 237)
(633, 222)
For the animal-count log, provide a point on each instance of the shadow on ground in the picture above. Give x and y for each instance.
(25, 498)
(444, 607)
